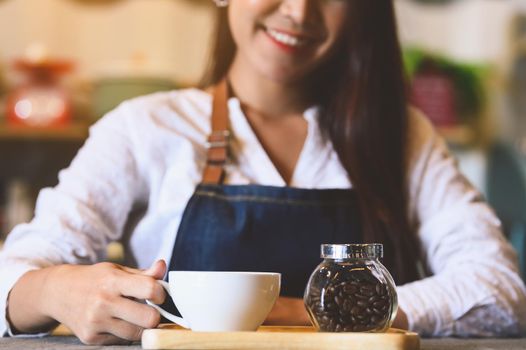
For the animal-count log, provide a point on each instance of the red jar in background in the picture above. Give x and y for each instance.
(40, 100)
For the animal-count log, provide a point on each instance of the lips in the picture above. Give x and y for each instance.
(291, 40)
(288, 39)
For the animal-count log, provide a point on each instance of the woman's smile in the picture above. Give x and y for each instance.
(283, 40)
(286, 40)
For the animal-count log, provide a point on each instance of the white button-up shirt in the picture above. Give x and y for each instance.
(137, 170)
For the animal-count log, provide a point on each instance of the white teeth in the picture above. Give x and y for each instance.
(285, 38)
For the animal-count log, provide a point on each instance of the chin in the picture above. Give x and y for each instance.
(285, 76)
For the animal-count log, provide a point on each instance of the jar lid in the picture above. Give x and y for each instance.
(350, 251)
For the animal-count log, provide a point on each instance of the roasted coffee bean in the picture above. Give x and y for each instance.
(350, 289)
(356, 311)
(332, 307)
(362, 316)
(380, 289)
(359, 328)
(360, 296)
(347, 305)
(362, 303)
(375, 319)
(377, 311)
(368, 293)
(367, 288)
(352, 300)
(378, 304)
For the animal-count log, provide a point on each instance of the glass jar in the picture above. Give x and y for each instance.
(350, 290)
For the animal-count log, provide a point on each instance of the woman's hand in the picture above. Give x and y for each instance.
(97, 302)
(288, 311)
(400, 321)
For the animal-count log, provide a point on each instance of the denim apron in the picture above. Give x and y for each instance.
(259, 228)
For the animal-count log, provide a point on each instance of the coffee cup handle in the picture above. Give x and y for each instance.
(166, 314)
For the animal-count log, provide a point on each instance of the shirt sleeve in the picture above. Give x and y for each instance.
(88, 208)
(475, 288)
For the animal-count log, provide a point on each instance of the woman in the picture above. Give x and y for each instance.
(310, 141)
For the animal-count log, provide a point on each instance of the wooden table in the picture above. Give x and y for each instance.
(72, 343)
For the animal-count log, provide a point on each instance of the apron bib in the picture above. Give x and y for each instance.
(259, 228)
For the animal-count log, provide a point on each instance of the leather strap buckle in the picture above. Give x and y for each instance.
(218, 139)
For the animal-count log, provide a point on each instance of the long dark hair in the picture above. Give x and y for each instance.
(364, 112)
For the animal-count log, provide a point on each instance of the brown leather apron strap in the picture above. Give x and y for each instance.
(217, 145)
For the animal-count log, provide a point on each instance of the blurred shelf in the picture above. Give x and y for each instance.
(458, 135)
(73, 132)
(35, 155)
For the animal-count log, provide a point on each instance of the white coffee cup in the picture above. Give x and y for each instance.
(216, 301)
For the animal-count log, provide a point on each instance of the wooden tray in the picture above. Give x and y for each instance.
(267, 338)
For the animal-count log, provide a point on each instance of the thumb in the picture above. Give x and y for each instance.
(157, 270)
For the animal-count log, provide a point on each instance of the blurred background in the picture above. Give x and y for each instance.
(64, 63)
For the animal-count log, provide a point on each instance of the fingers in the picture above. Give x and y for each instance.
(130, 270)
(144, 289)
(135, 313)
(102, 339)
(100, 293)
(114, 332)
(125, 321)
(141, 287)
(157, 270)
(124, 330)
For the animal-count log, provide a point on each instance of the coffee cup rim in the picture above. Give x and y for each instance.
(252, 273)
